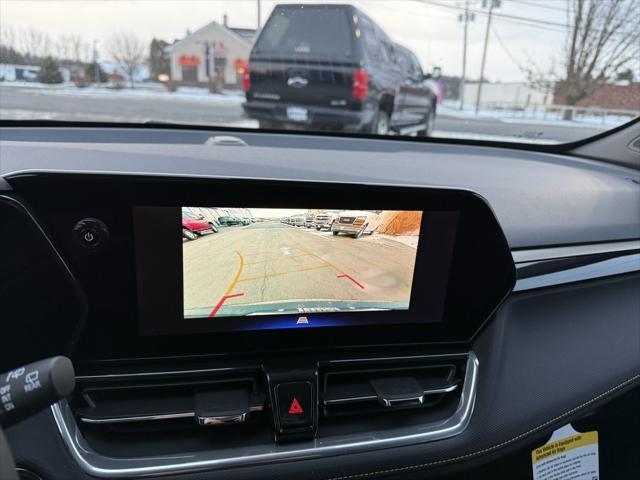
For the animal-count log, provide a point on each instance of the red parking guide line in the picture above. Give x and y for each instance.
(221, 302)
(344, 275)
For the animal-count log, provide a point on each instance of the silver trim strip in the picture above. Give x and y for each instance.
(141, 418)
(223, 419)
(597, 269)
(536, 254)
(365, 398)
(111, 467)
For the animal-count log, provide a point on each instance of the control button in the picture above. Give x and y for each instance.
(295, 405)
(90, 233)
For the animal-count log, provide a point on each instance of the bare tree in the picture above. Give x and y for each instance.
(602, 39)
(63, 47)
(79, 48)
(128, 50)
(8, 37)
(37, 43)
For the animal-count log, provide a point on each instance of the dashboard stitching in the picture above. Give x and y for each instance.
(493, 447)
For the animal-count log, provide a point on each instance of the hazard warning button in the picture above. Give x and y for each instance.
(295, 407)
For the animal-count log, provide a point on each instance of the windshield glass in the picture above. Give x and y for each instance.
(527, 71)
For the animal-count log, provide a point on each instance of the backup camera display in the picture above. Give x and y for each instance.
(259, 261)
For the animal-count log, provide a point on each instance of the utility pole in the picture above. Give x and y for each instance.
(96, 66)
(259, 15)
(492, 4)
(465, 17)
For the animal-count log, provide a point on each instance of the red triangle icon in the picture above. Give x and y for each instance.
(295, 408)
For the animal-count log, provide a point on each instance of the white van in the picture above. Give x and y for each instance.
(356, 223)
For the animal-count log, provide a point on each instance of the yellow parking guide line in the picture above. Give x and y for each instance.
(277, 274)
(283, 257)
(237, 277)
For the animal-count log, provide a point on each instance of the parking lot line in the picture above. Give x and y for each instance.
(284, 257)
(228, 294)
(278, 274)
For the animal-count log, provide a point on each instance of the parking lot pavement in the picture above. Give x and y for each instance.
(38, 103)
(273, 262)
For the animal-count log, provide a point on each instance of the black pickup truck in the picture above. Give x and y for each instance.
(330, 67)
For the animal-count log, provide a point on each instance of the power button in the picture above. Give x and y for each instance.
(90, 233)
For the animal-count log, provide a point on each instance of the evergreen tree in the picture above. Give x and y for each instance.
(91, 73)
(158, 60)
(49, 71)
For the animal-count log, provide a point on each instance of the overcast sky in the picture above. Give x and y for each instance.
(430, 27)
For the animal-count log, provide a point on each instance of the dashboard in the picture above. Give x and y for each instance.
(247, 308)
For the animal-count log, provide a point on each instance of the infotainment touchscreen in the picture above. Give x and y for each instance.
(207, 269)
(240, 262)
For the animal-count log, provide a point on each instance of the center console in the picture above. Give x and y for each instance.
(246, 322)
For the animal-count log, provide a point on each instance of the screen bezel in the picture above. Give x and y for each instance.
(482, 269)
(160, 281)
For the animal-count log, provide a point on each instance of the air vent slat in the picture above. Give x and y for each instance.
(398, 385)
(206, 400)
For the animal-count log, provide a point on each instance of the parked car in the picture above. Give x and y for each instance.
(228, 221)
(195, 225)
(347, 76)
(324, 220)
(356, 223)
(309, 221)
(298, 221)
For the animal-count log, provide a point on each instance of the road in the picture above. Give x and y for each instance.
(28, 103)
(262, 267)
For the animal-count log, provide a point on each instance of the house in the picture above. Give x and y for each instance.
(197, 58)
(623, 95)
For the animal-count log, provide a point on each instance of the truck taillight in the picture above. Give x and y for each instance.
(246, 79)
(360, 84)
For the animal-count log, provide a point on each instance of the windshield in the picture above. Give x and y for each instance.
(527, 71)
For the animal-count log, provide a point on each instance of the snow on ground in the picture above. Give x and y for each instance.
(410, 240)
(491, 138)
(142, 90)
(531, 116)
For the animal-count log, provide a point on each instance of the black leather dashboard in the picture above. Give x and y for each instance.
(599, 202)
(546, 357)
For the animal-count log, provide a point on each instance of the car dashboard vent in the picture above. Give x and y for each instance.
(384, 395)
(367, 390)
(208, 401)
(155, 422)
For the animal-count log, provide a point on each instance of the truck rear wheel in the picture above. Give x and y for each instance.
(380, 123)
(429, 123)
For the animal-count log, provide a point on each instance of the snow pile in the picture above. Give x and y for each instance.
(144, 90)
(532, 116)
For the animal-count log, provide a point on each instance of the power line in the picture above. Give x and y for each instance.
(530, 22)
(503, 15)
(506, 50)
(540, 5)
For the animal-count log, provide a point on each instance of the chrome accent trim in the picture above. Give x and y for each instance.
(138, 375)
(599, 267)
(366, 398)
(223, 419)
(535, 254)
(396, 402)
(140, 418)
(110, 467)
(343, 401)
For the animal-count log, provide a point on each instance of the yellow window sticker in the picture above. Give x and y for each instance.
(568, 455)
